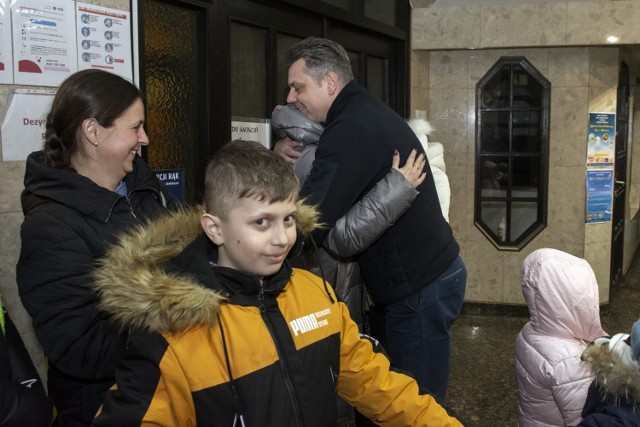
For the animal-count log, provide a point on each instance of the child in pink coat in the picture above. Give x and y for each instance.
(562, 294)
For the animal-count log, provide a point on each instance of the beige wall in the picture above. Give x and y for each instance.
(454, 47)
(10, 220)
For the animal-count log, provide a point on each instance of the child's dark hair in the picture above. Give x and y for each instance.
(247, 169)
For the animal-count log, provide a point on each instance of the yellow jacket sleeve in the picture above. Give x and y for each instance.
(386, 397)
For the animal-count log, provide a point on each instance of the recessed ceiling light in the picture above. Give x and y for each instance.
(612, 39)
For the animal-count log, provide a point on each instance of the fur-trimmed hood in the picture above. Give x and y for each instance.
(136, 291)
(617, 373)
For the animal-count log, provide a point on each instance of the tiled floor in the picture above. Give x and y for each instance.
(482, 388)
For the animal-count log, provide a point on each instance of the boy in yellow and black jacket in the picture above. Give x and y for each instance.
(225, 332)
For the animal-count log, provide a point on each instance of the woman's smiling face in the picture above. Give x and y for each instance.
(119, 143)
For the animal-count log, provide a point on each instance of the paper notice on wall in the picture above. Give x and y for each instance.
(44, 50)
(24, 122)
(104, 39)
(6, 57)
(599, 195)
(250, 129)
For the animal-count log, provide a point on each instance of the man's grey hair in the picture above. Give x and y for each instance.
(321, 56)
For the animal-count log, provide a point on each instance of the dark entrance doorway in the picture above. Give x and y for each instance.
(204, 62)
(620, 176)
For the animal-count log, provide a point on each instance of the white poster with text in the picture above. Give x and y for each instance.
(6, 61)
(44, 50)
(104, 39)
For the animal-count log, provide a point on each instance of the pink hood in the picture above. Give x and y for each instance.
(562, 294)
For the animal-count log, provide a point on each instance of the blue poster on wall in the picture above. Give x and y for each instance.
(599, 195)
(173, 179)
(601, 139)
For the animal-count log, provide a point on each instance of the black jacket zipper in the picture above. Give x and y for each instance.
(281, 361)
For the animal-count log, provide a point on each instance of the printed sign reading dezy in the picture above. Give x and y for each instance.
(24, 121)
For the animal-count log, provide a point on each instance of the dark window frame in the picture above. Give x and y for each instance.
(542, 113)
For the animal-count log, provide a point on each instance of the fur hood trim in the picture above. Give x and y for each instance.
(616, 372)
(135, 290)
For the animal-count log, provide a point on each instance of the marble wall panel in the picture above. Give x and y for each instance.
(567, 142)
(472, 232)
(603, 66)
(448, 69)
(569, 66)
(471, 143)
(419, 80)
(485, 269)
(597, 232)
(512, 263)
(419, 100)
(542, 24)
(9, 241)
(574, 249)
(602, 100)
(420, 69)
(13, 178)
(5, 90)
(447, 104)
(526, 24)
(432, 28)
(601, 265)
(565, 214)
(593, 22)
(452, 134)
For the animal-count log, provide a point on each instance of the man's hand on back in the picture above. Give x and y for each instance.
(286, 148)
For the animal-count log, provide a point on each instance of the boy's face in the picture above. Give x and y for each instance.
(256, 236)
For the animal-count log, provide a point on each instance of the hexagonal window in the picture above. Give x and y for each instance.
(512, 146)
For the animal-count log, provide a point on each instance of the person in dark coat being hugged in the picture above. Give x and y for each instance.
(413, 271)
(87, 185)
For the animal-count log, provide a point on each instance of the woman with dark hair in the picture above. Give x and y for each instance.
(88, 185)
